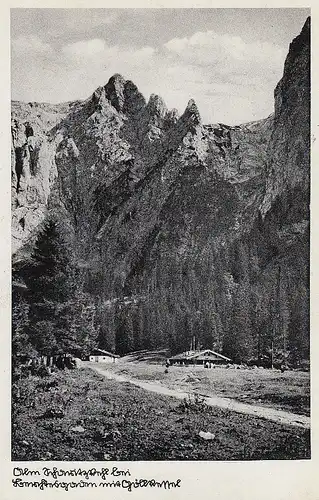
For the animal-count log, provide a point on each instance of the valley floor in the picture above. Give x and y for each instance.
(267, 412)
(288, 391)
(80, 415)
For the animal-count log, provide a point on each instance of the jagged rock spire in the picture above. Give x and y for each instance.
(124, 95)
(191, 113)
(134, 101)
(114, 91)
(157, 106)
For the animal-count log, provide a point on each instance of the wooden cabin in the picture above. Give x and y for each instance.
(101, 356)
(199, 358)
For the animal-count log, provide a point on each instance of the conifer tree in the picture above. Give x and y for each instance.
(238, 343)
(20, 341)
(50, 282)
(57, 320)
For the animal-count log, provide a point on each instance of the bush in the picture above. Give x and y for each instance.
(193, 402)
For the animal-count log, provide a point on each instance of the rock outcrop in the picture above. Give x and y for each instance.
(289, 148)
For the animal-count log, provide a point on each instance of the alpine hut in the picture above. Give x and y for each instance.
(199, 358)
(101, 356)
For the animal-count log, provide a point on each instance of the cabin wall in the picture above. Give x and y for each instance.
(213, 361)
(102, 359)
(201, 361)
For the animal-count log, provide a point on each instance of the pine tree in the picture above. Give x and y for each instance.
(51, 274)
(83, 332)
(20, 341)
(50, 279)
(238, 342)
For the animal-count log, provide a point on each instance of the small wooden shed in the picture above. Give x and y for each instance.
(101, 356)
(199, 358)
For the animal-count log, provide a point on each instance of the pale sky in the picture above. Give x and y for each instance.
(228, 60)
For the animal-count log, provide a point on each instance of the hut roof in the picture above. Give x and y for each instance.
(102, 351)
(195, 354)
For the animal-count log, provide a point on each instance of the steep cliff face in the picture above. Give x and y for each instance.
(193, 219)
(33, 167)
(285, 207)
(289, 148)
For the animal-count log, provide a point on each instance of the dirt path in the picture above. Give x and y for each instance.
(278, 416)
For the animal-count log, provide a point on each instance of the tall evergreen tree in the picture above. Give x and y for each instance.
(51, 274)
(57, 319)
(20, 341)
(238, 343)
(50, 279)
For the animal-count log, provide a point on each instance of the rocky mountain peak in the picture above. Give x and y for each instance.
(124, 95)
(296, 65)
(300, 41)
(157, 106)
(134, 101)
(114, 91)
(191, 113)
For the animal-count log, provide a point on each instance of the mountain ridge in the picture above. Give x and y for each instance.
(199, 219)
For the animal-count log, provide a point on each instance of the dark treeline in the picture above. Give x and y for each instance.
(245, 300)
(242, 299)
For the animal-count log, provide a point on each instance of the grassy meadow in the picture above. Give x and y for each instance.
(77, 415)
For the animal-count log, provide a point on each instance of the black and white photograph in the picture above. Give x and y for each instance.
(160, 227)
